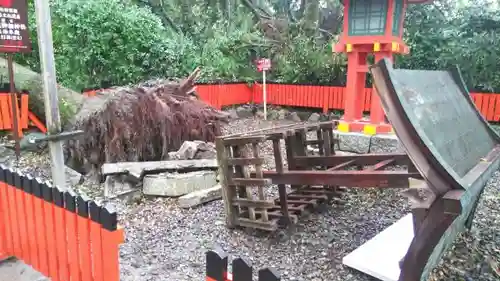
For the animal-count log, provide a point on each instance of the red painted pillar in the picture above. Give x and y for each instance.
(377, 115)
(356, 77)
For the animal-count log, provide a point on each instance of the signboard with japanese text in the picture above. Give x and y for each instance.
(263, 64)
(14, 33)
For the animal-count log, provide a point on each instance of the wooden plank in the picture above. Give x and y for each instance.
(227, 193)
(6, 114)
(39, 124)
(396, 179)
(269, 225)
(237, 141)
(245, 161)
(250, 181)
(258, 173)
(333, 160)
(380, 165)
(295, 196)
(283, 200)
(253, 203)
(342, 165)
(23, 112)
(243, 190)
(2, 113)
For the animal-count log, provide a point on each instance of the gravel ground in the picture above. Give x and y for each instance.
(165, 242)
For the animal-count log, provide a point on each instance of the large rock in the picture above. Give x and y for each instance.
(315, 117)
(200, 197)
(186, 151)
(73, 177)
(116, 185)
(194, 150)
(294, 116)
(175, 184)
(233, 114)
(244, 111)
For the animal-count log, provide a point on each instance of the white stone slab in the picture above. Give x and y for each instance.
(380, 256)
(178, 184)
(200, 197)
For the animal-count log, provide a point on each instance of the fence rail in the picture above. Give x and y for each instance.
(324, 97)
(62, 235)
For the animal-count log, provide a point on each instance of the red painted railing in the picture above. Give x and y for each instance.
(62, 235)
(324, 97)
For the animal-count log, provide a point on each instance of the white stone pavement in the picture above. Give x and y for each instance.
(15, 270)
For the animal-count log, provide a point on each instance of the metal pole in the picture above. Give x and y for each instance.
(46, 51)
(14, 104)
(265, 93)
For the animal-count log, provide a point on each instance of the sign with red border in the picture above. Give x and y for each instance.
(263, 64)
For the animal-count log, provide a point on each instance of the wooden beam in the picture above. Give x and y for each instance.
(334, 160)
(397, 179)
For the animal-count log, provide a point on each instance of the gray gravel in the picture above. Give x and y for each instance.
(165, 242)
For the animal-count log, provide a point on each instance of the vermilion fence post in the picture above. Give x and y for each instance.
(216, 266)
(49, 228)
(12, 195)
(63, 236)
(6, 246)
(20, 205)
(72, 234)
(112, 237)
(242, 270)
(27, 184)
(96, 241)
(84, 237)
(60, 234)
(40, 234)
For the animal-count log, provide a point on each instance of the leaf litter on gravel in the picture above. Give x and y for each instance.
(165, 242)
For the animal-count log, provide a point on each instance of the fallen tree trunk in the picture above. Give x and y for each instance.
(26, 79)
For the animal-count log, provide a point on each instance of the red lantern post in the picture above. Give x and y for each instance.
(370, 27)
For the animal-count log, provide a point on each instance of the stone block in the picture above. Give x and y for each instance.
(116, 185)
(386, 144)
(73, 177)
(353, 142)
(315, 117)
(361, 143)
(178, 184)
(200, 197)
(244, 111)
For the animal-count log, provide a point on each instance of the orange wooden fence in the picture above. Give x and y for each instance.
(24, 116)
(62, 235)
(324, 97)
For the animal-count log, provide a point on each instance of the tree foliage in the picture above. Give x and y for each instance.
(115, 42)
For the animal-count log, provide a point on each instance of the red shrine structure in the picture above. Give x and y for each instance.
(371, 27)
